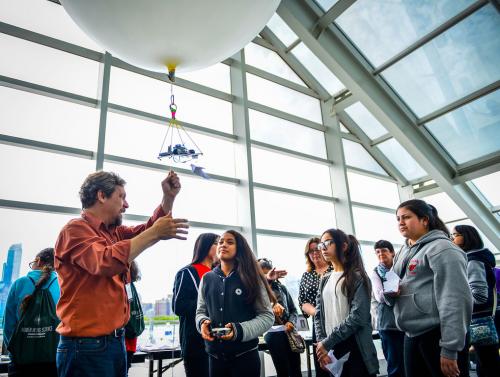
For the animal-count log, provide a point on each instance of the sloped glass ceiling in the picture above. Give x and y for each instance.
(357, 156)
(402, 160)
(365, 120)
(320, 71)
(489, 187)
(471, 131)
(373, 25)
(282, 30)
(270, 61)
(456, 63)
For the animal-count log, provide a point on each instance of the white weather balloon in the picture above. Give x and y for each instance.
(187, 34)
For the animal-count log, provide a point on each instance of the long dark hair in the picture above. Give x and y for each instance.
(249, 270)
(135, 272)
(351, 261)
(424, 210)
(202, 246)
(472, 239)
(45, 259)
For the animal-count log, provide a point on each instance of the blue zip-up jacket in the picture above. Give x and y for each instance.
(21, 288)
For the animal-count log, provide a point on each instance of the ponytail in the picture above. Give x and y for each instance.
(45, 258)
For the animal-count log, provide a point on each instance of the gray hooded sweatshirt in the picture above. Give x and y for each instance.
(434, 291)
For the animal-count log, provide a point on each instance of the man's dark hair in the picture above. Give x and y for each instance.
(99, 181)
(472, 239)
(383, 244)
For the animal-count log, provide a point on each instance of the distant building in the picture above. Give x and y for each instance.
(163, 306)
(10, 272)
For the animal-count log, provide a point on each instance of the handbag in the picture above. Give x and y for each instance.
(482, 330)
(295, 340)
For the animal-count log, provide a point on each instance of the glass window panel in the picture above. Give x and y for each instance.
(270, 61)
(157, 280)
(282, 30)
(199, 200)
(343, 129)
(471, 131)
(370, 259)
(51, 20)
(374, 191)
(281, 170)
(32, 116)
(285, 134)
(34, 230)
(357, 156)
(372, 25)
(216, 76)
(486, 241)
(451, 66)
(141, 140)
(365, 120)
(320, 71)
(401, 159)
(488, 185)
(282, 98)
(42, 177)
(285, 253)
(278, 211)
(153, 96)
(326, 4)
(374, 225)
(446, 207)
(42, 65)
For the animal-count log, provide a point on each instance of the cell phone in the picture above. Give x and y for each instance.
(217, 332)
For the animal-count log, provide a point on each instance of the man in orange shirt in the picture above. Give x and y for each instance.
(92, 258)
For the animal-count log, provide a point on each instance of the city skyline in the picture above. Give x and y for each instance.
(10, 272)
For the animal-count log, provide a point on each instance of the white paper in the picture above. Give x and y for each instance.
(391, 284)
(337, 365)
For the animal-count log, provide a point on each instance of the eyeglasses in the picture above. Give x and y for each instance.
(322, 246)
(265, 260)
(313, 250)
(31, 264)
(455, 235)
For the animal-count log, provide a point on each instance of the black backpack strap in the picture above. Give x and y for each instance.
(34, 283)
(48, 286)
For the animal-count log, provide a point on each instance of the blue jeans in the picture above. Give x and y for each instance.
(103, 356)
(392, 345)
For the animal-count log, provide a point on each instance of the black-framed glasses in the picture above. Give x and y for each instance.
(31, 264)
(455, 235)
(315, 250)
(265, 260)
(322, 246)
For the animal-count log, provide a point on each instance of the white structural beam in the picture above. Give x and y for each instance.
(338, 171)
(243, 150)
(332, 50)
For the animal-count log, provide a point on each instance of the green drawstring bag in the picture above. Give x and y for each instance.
(35, 339)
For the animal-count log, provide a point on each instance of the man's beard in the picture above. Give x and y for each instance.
(117, 221)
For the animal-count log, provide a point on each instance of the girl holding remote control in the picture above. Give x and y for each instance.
(230, 298)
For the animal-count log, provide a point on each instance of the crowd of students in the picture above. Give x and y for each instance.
(226, 299)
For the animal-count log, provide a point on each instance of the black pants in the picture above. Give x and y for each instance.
(355, 365)
(286, 362)
(45, 370)
(392, 345)
(320, 372)
(196, 366)
(422, 356)
(246, 365)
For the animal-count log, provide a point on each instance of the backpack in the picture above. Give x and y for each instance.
(35, 338)
(135, 325)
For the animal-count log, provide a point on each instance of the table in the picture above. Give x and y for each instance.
(175, 354)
